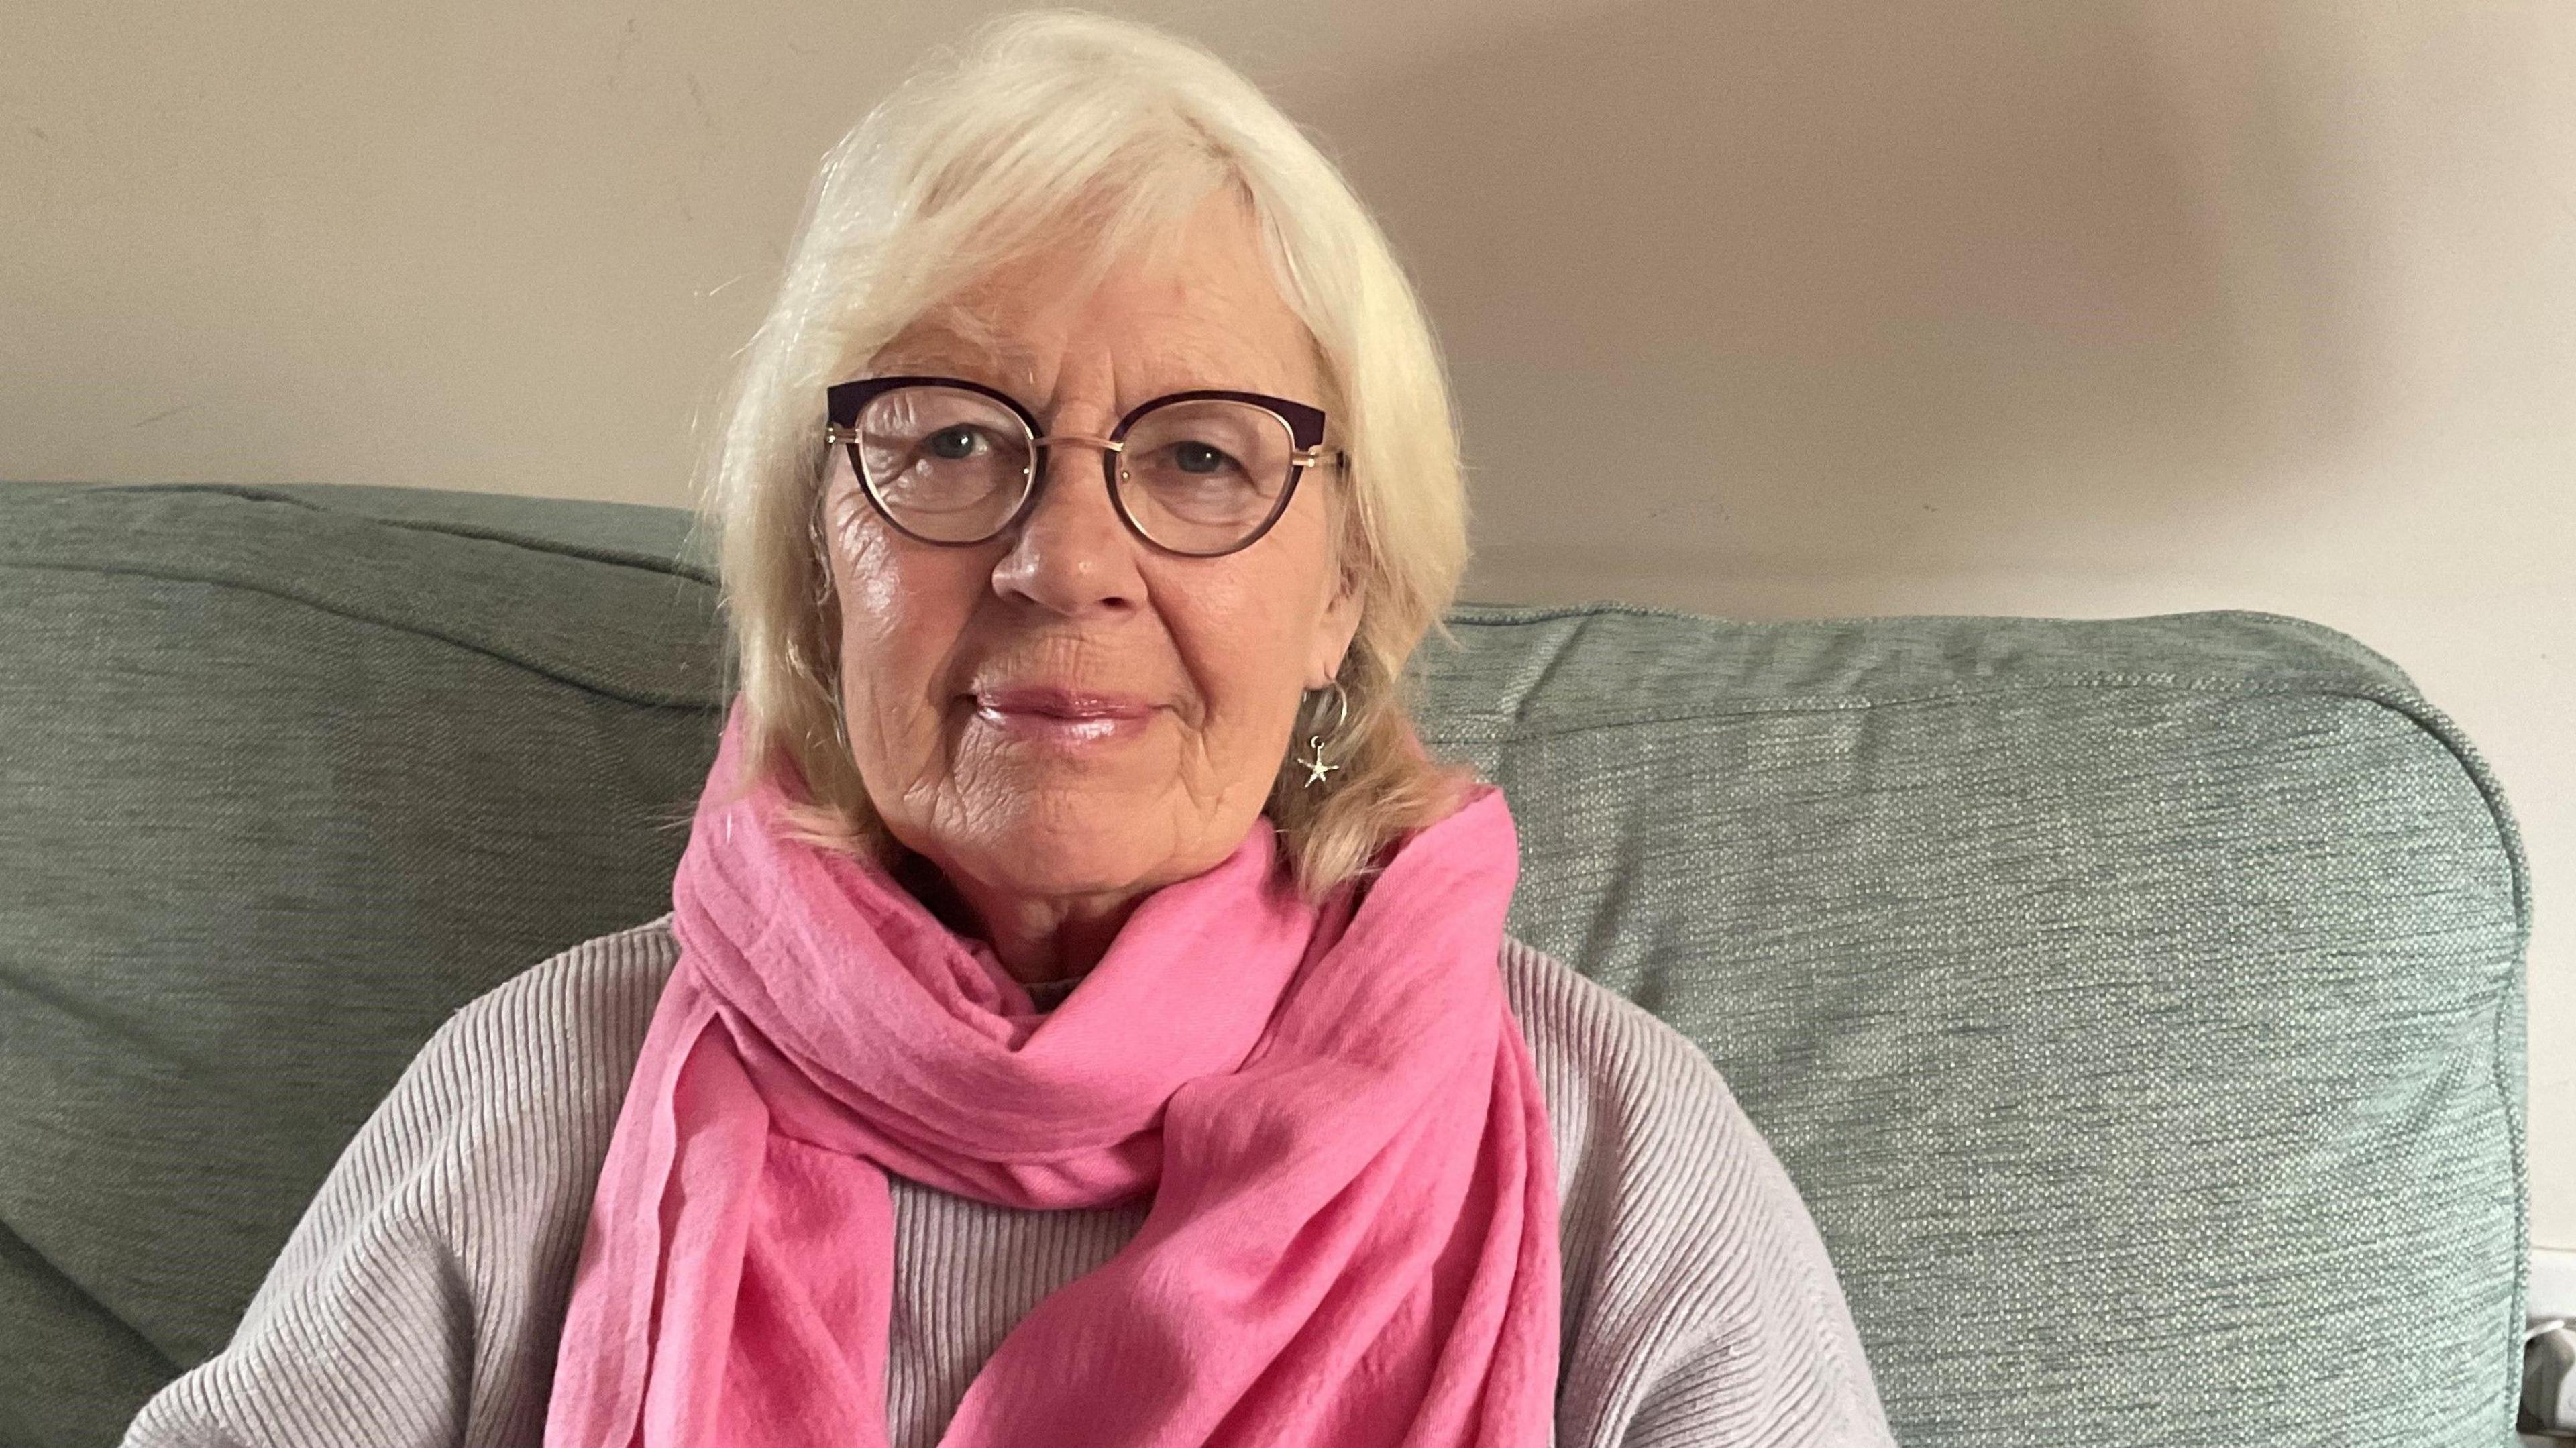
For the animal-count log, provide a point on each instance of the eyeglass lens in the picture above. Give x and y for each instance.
(952, 466)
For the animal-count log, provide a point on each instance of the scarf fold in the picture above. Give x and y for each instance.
(1353, 1232)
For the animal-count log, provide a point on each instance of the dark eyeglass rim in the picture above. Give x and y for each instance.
(843, 401)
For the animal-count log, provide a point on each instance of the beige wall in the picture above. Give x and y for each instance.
(1999, 306)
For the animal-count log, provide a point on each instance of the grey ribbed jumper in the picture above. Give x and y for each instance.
(419, 1299)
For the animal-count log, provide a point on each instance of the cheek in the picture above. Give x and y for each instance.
(902, 611)
(1245, 635)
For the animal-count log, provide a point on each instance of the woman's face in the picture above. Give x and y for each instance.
(1065, 712)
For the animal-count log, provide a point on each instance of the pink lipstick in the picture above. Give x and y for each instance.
(1061, 717)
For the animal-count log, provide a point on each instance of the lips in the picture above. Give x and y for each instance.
(1053, 703)
(1061, 717)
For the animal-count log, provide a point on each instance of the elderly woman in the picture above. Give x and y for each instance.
(1084, 1016)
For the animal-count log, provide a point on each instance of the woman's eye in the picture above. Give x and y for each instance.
(951, 444)
(1198, 457)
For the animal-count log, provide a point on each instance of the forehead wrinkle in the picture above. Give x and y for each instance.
(957, 336)
(1186, 364)
(955, 339)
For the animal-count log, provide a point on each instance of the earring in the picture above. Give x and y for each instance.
(1316, 768)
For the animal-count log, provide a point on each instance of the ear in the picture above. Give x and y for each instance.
(1333, 633)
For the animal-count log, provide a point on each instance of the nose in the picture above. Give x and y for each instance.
(1071, 555)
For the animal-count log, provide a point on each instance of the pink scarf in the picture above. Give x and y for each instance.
(1352, 1238)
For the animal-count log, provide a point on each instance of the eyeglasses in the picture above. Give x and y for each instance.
(1201, 474)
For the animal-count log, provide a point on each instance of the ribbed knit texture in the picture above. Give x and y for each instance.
(419, 1300)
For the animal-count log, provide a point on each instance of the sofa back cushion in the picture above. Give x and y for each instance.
(2137, 1003)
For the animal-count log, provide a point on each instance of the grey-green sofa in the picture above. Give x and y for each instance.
(2137, 1002)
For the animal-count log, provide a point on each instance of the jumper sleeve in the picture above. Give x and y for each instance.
(1701, 1307)
(362, 1332)
(1758, 1348)
(417, 1302)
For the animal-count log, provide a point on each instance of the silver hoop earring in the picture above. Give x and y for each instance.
(1316, 768)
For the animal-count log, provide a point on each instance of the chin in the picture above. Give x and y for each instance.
(1088, 843)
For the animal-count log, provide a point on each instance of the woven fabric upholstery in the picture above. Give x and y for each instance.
(2138, 1003)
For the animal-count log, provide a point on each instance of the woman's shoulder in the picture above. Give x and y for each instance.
(1596, 1048)
(501, 1119)
(1700, 1303)
(436, 1256)
(1636, 1108)
(509, 1104)
(538, 1065)
(581, 1013)
(1645, 1126)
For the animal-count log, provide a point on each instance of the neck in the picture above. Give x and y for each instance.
(1036, 939)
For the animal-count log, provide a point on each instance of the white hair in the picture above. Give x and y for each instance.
(1056, 125)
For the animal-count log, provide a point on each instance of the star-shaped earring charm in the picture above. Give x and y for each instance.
(1316, 768)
